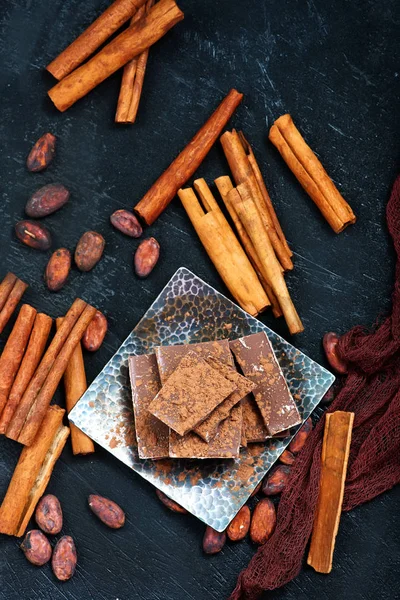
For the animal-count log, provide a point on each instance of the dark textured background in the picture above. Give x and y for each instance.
(333, 66)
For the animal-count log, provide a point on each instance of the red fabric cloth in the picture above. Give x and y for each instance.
(372, 391)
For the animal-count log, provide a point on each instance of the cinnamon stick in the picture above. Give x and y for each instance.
(5, 288)
(11, 302)
(310, 173)
(242, 171)
(335, 456)
(41, 373)
(42, 401)
(98, 32)
(183, 167)
(261, 184)
(132, 79)
(75, 386)
(14, 350)
(225, 185)
(246, 208)
(131, 42)
(32, 473)
(32, 356)
(225, 252)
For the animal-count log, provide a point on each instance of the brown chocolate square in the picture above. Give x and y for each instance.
(190, 394)
(152, 435)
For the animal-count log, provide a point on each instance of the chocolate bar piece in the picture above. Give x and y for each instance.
(209, 428)
(254, 429)
(257, 361)
(152, 435)
(227, 441)
(168, 358)
(190, 394)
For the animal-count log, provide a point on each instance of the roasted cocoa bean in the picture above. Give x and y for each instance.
(42, 153)
(330, 395)
(107, 511)
(127, 223)
(287, 457)
(89, 250)
(36, 547)
(64, 558)
(95, 333)
(256, 489)
(213, 541)
(58, 269)
(276, 481)
(239, 526)
(329, 342)
(263, 521)
(146, 257)
(48, 514)
(33, 234)
(46, 200)
(169, 503)
(300, 438)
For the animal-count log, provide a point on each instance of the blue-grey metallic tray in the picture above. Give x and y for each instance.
(188, 310)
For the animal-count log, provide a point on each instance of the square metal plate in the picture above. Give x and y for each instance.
(188, 310)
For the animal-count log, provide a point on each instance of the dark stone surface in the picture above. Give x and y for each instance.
(333, 66)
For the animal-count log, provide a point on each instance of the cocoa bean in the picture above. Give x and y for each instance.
(127, 223)
(276, 481)
(89, 250)
(42, 153)
(146, 257)
(95, 333)
(169, 503)
(33, 235)
(256, 489)
(287, 457)
(64, 558)
(107, 511)
(263, 521)
(46, 200)
(36, 547)
(58, 269)
(48, 514)
(239, 526)
(329, 395)
(300, 438)
(213, 540)
(329, 342)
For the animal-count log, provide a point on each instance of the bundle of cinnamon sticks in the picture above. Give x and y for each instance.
(29, 376)
(148, 22)
(252, 264)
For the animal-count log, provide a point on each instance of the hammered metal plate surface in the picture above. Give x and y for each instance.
(187, 311)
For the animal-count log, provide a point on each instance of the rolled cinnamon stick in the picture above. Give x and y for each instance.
(242, 171)
(32, 473)
(14, 350)
(132, 79)
(32, 356)
(98, 32)
(310, 173)
(131, 42)
(246, 208)
(224, 250)
(225, 185)
(187, 162)
(261, 184)
(10, 304)
(334, 459)
(5, 288)
(75, 386)
(39, 407)
(37, 381)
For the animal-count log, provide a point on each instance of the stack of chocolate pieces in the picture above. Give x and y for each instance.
(190, 401)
